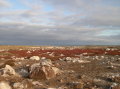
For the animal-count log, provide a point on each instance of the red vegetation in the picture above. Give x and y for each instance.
(115, 52)
(57, 53)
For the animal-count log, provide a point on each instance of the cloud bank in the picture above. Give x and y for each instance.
(59, 22)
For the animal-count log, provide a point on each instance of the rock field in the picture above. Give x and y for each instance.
(53, 67)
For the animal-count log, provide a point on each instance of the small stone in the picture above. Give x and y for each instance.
(37, 83)
(43, 58)
(68, 58)
(83, 61)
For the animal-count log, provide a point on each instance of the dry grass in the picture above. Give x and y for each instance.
(13, 47)
(52, 47)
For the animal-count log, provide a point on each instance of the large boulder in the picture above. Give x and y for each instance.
(24, 72)
(4, 85)
(36, 72)
(43, 70)
(8, 70)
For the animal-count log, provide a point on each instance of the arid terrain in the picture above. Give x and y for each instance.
(60, 67)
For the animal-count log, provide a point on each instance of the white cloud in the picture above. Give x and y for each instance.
(88, 19)
(54, 34)
(4, 3)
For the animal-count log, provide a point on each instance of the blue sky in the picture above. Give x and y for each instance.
(16, 4)
(55, 22)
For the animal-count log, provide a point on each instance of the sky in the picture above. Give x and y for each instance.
(59, 22)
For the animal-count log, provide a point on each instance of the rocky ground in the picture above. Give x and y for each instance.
(74, 67)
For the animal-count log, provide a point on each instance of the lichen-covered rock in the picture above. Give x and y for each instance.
(49, 72)
(37, 72)
(43, 70)
(8, 70)
(4, 85)
(24, 72)
(42, 73)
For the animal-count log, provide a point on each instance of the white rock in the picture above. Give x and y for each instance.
(8, 70)
(43, 58)
(28, 51)
(114, 84)
(102, 57)
(4, 85)
(62, 55)
(20, 49)
(87, 57)
(97, 57)
(21, 58)
(33, 67)
(19, 86)
(13, 57)
(83, 61)
(35, 58)
(85, 53)
(51, 54)
(62, 59)
(48, 52)
(68, 58)
(37, 83)
(46, 62)
(108, 49)
(106, 52)
(56, 70)
(1, 50)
